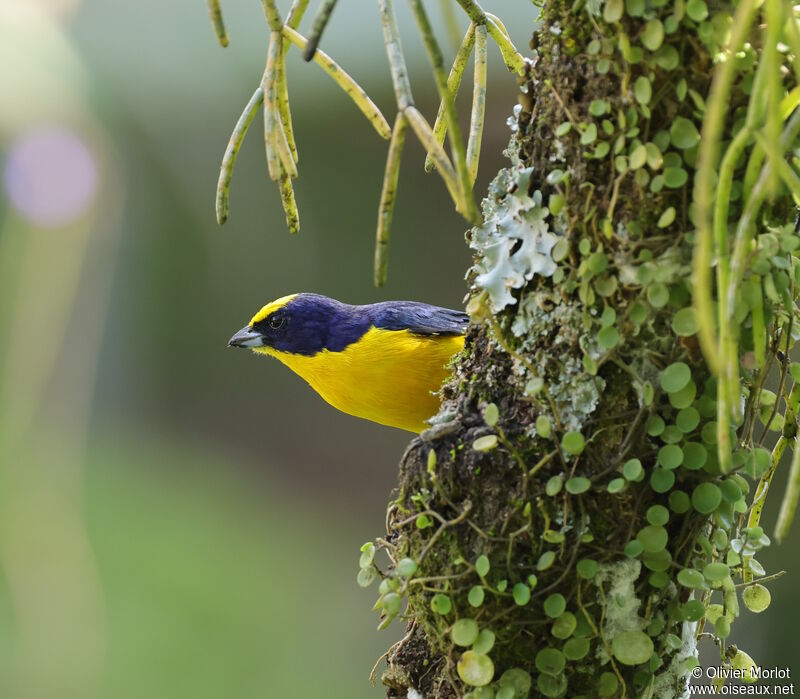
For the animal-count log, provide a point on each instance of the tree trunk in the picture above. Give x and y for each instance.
(563, 526)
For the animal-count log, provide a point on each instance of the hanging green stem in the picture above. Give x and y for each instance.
(343, 80)
(320, 22)
(453, 83)
(424, 133)
(790, 497)
(394, 52)
(513, 59)
(273, 16)
(386, 207)
(284, 110)
(296, 12)
(288, 202)
(232, 151)
(712, 130)
(754, 518)
(746, 224)
(450, 22)
(773, 87)
(478, 104)
(759, 326)
(468, 207)
(215, 13)
(270, 123)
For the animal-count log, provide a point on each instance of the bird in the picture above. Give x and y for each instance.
(383, 362)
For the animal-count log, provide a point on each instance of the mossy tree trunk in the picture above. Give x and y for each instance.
(580, 508)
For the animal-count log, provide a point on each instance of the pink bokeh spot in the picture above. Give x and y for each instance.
(50, 176)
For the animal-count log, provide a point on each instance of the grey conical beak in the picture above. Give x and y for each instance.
(246, 337)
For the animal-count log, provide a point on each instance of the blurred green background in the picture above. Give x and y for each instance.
(178, 519)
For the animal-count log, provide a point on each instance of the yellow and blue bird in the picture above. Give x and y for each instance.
(382, 361)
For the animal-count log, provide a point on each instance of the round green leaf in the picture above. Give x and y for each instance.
(587, 568)
(572, 442)
(406, 567)
(607, 684)
(694, 456)
(662, 480)
(657, 295)
(653, 35)
(632, 469)
(555, 605)
(632, 647)
(545, 560)
(551, 661)
(716, 572)
(670, 456)
(564, 625)
(475, 669)
(697, 10)
(554, 485)
(464, 632)
(679, 501)
(706, 498)
(576, 648)
(485, 641)
(675, 377)
(577, 485)
(756, 598)
(657, 515)
(441, 604)
(633, 548)
(689, 577)
(642, 90)
(683, 133)
(687, 420)
(654, 538)
(684, 322)
(616, 485)
(476, 595)
(518, 680)
(675, 177)
(608, 338)
(486, 443)
(666, 219)
(482, 565)
(521, 593)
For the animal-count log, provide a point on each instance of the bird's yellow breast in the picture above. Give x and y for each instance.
(387, 376)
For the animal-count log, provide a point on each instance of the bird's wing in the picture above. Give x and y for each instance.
(418, 318)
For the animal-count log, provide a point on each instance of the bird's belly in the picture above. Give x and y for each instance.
(386, 376)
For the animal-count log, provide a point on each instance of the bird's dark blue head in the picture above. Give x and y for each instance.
(303, 324)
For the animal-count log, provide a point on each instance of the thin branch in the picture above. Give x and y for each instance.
(388, 193)
(394, 52)
(320, 22)
(468, 207)
(478, 105)
(232, 151)
(453, 83)
(713, 126)
(215, 13)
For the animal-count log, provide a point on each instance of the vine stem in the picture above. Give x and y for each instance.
(320, 22)
(215, 13)
(453, 83)
(469, 208)
(232, 151)
(478, 105)
(388, 193)
(711, 135)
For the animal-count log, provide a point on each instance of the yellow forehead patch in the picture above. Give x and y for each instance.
(271, 307)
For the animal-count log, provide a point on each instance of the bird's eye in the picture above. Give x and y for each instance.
(276, 321)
